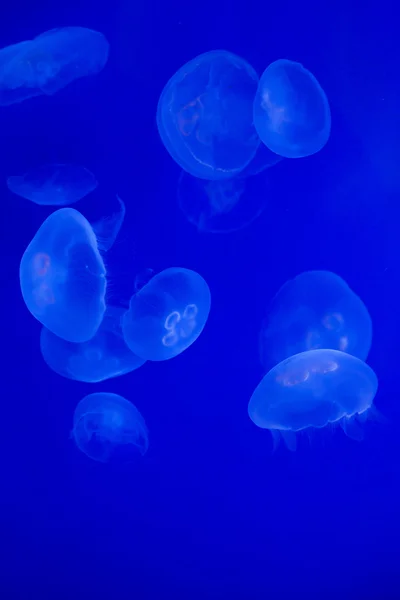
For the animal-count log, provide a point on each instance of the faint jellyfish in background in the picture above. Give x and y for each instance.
(53, 184)
(63, 276)
(313, 390)
(49, 62)
(143, 277)
(316, 309)
(204, 115)
(109, 428)
(167, 315)
(291, 111)
(105, 356)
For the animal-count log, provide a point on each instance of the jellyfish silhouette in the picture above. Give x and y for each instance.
(167, 315)
(63, 276)
(104, 356)
(313, 390)
(49, 62)
(53, 184)
(316, 309)
(109, 428)
(291, 111)
(204, 115)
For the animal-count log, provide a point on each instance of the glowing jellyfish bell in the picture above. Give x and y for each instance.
(104, 356)
(316, 309)
(108, 428)
(167, 314)
(291, 110)
(313, 390)
(53, 184)
(63, 276)
(204, 115)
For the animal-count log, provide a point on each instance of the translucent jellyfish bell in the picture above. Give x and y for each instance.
(204, 115)
(167, 315)
(104, 356)
(291, 111)
(312, 390)
(53, 184)
(63, 276)
(316, 309)
(50, 62)
(109, 428)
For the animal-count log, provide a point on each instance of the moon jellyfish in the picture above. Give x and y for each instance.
(204, 115)
(291, 111)
(104, 356)
(53, 184)
(316, 309)
(313, 390)
(167, 314)
(222, 206)
(49, 62)
(63, 276)
(109, 428)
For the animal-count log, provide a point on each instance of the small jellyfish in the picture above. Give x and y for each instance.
(63, 276)
(204, 115)
(291, 111)
(313, 390)
(109, 428)
(167, 315)
(53, 184)
(49, 62)
(316, 309)
(222, 206)
(104, 356)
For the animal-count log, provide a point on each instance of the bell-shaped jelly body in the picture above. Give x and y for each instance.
(167, 314)
(205, 118)
(291, 111)
(312, 390)
(109, 428)
(63, 277)
(49, 62)
(53, 184)
(104, 356)
(316, 309)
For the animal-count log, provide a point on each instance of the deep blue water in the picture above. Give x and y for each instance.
(209, 512)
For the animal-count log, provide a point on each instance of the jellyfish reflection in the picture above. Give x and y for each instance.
(107, 427)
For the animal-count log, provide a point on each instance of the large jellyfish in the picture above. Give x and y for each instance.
(312, 390)
(316, 309)
(167, 314)
(63, 276)
(204, 115)
(104, 356)
(291, 111)
(49, 62)
(107, 428)
(53, 184)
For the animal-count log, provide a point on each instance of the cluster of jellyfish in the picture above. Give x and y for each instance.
(63, 276)
(223, 125)
(313, 347)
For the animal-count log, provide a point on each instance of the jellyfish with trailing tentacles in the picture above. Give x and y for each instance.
(167, 314)
(316, 309)
(53, 184)
(105, 356)
(313, 390)
(109, 428)
(204, 115)
(63, 276)
(49, 62)
(291, 110)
